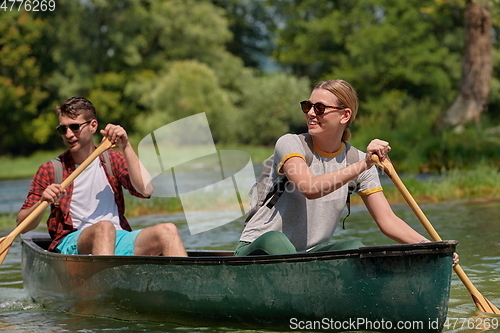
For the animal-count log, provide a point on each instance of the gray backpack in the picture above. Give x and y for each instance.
(264, 193)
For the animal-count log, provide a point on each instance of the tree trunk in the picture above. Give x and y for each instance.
(477, 69)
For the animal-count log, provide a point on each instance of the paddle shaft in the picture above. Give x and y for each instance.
(481, 302)
(391, 173)
(105, 145)
(6, 242)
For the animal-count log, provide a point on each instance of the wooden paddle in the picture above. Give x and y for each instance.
(6, 242)
(482, 303)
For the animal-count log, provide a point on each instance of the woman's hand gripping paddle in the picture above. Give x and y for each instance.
(6, 242)
(482, 303)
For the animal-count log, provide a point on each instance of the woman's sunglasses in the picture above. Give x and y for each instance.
(62, 129)
(319, 108)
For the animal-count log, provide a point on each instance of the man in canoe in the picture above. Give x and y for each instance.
(306, 214)
(88, 216)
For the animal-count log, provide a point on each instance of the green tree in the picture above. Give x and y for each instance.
(103, 46)
(186, 88)
(102, 50)
(21, 83)
(251, 23)
(270, 108)
(403, 59)
(477, 68)
(378, 45)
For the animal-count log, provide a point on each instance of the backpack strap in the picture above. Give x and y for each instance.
(107, 162)
(56, 162)
(270, 198)
(260, 193)
(58, 171)
(351, 158)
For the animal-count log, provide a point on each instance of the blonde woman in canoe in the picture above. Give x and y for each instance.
(305, 216)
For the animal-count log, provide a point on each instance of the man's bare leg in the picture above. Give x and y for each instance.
(162, 239)
(98, 239)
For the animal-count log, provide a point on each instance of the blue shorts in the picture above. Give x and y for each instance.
(124, 244)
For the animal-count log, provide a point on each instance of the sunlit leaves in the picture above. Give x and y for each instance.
(20, 77)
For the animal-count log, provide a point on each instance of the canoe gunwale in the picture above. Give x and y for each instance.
(211, 257)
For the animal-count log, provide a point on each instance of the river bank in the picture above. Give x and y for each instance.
(481, 182)
(21, 167)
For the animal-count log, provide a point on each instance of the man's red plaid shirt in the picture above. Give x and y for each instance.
(60, 225)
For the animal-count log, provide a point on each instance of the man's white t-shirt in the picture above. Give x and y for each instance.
(93, 199)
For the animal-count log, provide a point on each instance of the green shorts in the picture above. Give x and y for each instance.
(275, 242)
(124, 244)
(270, 243)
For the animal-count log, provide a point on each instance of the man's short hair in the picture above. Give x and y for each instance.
(75, 106)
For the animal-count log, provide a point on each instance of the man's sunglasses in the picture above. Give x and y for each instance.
(319, 108)
(62, 129)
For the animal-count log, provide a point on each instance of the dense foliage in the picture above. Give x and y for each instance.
(246, 64)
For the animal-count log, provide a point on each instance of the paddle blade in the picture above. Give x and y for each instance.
(484, 305)
(5, 244)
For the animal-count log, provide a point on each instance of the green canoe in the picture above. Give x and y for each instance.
(380, 288)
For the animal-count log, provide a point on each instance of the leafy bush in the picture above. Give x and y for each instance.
(270, 108)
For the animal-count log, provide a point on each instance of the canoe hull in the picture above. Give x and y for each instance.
(382, 285)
